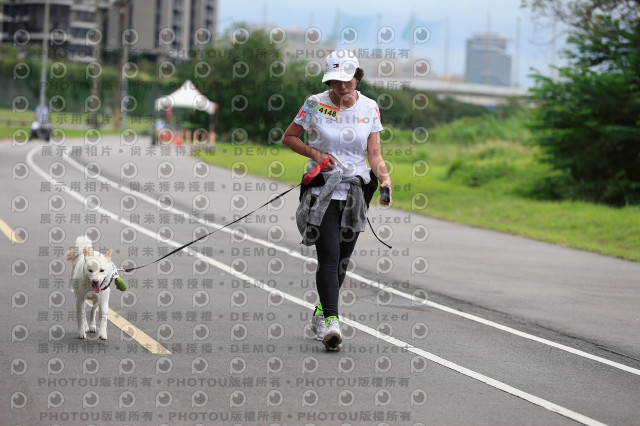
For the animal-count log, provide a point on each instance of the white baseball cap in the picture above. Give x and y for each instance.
(340, 65)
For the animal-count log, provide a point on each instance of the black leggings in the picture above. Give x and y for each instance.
(334, 246)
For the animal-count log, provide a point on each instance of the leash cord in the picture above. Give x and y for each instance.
(231, 223)
(376, 235)
(212, 232)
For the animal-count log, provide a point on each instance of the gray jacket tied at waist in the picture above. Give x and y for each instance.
(354, 215)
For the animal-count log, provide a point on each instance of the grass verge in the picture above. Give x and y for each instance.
(485, 190)
(71, 124)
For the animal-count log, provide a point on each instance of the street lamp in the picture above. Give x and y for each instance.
(43, 69)
(101, 5)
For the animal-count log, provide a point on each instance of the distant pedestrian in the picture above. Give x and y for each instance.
(343, 125)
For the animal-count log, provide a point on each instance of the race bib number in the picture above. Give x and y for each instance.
(323, 110)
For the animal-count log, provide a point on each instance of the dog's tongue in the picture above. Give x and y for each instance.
(96, 288)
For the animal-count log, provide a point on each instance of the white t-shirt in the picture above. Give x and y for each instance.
(344, 137)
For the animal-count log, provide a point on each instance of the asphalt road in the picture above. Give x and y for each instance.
(454, 325)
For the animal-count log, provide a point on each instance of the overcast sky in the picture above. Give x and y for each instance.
(368, 16)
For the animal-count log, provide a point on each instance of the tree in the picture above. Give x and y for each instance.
(260, 90)
(588, 122)
(258, 93)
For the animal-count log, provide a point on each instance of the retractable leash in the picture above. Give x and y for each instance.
(305, 181)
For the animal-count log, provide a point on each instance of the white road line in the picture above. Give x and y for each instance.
(375, 284)
(391, 340)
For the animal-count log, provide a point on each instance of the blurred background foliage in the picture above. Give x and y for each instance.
(576, 138)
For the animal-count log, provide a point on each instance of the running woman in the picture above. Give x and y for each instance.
(343, 125)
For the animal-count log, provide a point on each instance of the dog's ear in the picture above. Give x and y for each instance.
(108, 255)
(85, 252)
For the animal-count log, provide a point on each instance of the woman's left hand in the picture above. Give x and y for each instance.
(386, 184)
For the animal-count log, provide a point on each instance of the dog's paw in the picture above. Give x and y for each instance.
(82, 335)
(103, 337)
(92, 328)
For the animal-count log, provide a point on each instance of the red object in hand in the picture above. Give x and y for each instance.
(313, 173)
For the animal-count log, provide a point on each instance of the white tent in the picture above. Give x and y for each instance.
(186, 96)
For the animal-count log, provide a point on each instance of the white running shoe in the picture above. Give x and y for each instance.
(333, 336)
(318, 326)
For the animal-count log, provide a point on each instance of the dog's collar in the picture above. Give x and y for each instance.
(107, 286)
(109, 283)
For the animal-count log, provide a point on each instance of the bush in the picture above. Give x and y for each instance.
(73, 87)
(588, 122)
(478, 173)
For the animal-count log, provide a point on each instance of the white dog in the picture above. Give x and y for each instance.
(91, 276)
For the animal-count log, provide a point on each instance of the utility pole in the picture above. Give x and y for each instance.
(517, 67)
(119, 115)
(95, 83)
(447, 32)
(43, 69)
(554, 74)
(412, 27)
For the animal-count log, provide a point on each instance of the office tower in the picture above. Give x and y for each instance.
(488, 61)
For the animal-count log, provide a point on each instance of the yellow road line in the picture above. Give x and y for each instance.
(6, 230)
(116, 319)
(134, 332)
(138, 335)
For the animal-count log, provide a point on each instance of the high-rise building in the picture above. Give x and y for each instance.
(70, 21)
(488, 61)
(166, 28)
(161, 28)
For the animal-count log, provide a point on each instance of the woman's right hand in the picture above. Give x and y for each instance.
(291, 138)
(319, 157)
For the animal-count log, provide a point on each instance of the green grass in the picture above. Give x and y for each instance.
(470, 130)
(487, 189)
(73, 125)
